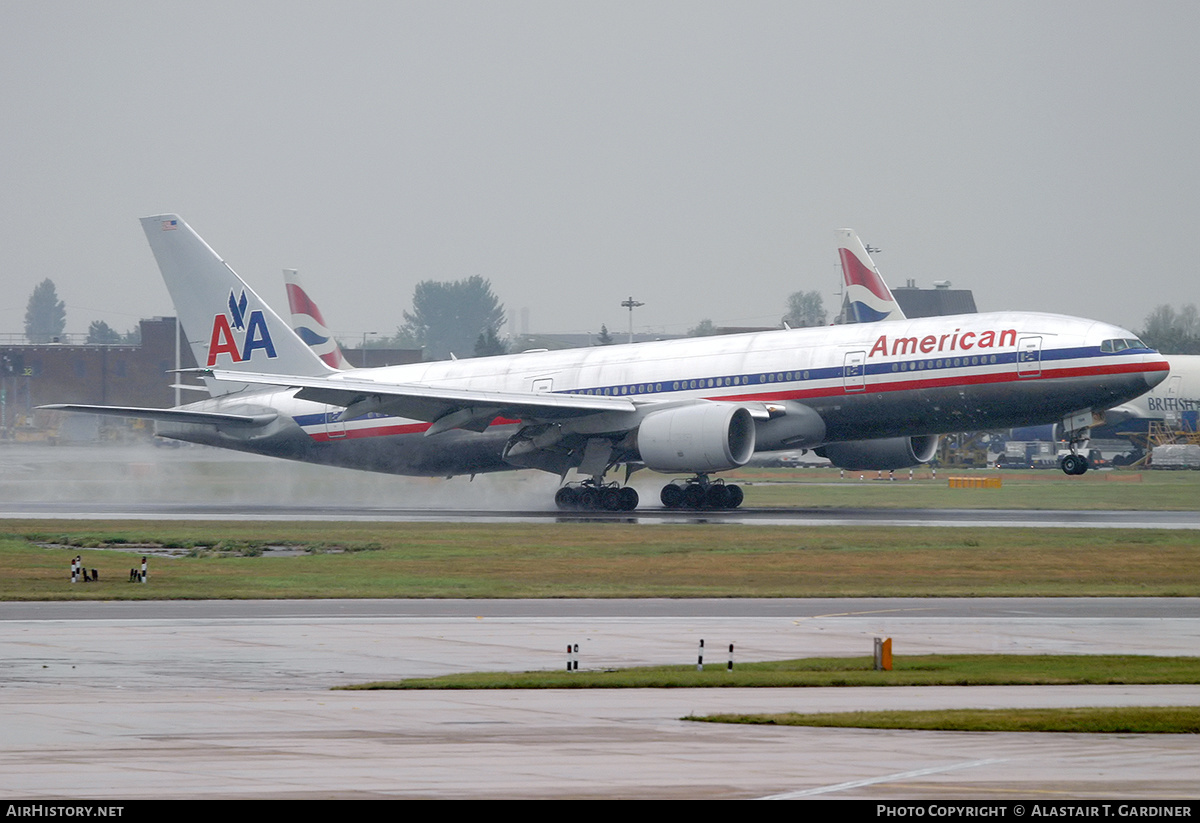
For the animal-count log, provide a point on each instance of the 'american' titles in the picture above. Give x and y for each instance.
(937, 343)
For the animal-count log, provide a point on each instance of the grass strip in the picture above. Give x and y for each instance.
(1049, 489)
(910, 670)
(534, 560)
(1090, 720)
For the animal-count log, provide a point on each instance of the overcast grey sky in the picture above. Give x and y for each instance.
(696, 155)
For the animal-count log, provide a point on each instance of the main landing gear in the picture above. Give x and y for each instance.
(699, 493)
(591, 495)
(695, 493)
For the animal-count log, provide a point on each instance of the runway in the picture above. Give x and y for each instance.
(214, 699)
(913, 518)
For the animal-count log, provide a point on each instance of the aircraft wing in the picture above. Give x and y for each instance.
(169, 415)
(445, 407)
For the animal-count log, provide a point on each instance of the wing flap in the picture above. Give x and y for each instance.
(431, 403)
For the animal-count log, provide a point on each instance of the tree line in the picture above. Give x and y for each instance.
(1172, 331)
(46, 319)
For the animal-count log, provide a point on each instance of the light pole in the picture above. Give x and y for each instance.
(631, 304)
(364, 347)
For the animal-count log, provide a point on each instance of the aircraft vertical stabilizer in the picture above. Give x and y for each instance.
(309, 324)
(868, 296)
(226, 323)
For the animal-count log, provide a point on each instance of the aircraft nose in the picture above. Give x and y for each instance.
(1157, 371)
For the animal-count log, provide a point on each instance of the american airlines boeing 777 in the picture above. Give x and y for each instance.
(865, 395)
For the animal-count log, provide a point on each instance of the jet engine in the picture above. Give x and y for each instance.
(707, 437)
(882, 455)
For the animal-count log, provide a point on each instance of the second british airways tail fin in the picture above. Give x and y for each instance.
(309, 324)
(869, 298)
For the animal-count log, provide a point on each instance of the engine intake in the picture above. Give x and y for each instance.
(709, 437)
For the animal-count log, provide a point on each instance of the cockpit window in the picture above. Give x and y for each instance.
(1119, 344)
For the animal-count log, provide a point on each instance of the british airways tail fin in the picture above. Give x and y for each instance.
(226, 323)
(309, 324)
(868, 296)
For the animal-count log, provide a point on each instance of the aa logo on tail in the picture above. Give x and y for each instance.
(251, 329)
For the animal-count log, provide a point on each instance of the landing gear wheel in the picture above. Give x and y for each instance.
(716, 497)
(610, 499)
(693, 496)
(735, 496)
(566, 499)
(627, 499)
(671, 496)
(1073, 464)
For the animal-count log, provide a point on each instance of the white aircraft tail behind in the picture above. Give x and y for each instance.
(310, 325)
(868, 296)
(226, 323)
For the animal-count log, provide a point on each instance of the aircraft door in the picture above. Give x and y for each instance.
(335, 426)
(854, 371)
(1170, 401)
(1029, 357)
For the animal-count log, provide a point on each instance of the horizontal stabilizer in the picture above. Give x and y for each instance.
(169, 415)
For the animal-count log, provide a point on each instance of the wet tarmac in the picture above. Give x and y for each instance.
(231, 699)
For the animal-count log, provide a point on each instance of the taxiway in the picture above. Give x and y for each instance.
(232, 699)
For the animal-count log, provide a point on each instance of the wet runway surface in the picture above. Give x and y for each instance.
(923, 518)
(231, 699)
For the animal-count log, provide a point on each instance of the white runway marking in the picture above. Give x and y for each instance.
(887, 778)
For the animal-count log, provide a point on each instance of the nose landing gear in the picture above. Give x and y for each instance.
(1073, 464)
(1076, 463)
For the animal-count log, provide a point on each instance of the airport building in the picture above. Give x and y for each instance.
(67, 372)
(939, 301)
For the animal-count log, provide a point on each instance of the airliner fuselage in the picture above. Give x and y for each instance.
(911, 378)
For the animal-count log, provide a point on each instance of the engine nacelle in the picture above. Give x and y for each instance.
(881, 455)
(708, 437)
